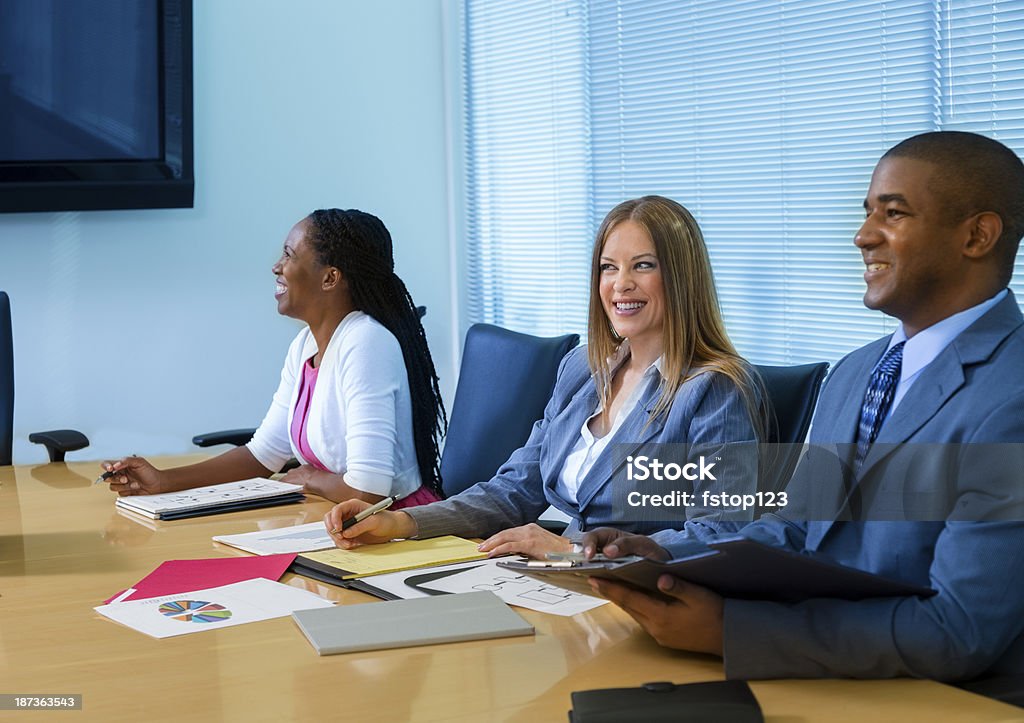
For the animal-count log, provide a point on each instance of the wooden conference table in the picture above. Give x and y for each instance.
(64, 549)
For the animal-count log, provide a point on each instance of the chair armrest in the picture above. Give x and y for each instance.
(59, 441)
(237, 437)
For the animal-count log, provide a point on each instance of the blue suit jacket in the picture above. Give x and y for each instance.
(972, 393)
(708, 412)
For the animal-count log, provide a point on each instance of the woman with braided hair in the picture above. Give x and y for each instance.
(358, 404)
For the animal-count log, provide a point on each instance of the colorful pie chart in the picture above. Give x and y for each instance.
(195, 611)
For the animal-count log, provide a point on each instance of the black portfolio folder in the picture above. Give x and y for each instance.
(735, 568)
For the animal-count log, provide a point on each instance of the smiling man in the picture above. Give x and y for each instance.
(931, 244)
(944, 215)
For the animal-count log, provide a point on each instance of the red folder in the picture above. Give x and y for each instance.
(176, 576)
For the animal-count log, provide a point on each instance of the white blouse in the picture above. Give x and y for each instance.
(588, 448)
(360, 416)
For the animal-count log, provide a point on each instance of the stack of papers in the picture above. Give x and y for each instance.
(298, 538)
(336, 565)
(415, 580)
(244, 495)
(514, 589)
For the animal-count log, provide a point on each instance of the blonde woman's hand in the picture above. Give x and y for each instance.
(380, 527)
(532, 540)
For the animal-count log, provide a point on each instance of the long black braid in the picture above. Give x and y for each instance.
(359, 245)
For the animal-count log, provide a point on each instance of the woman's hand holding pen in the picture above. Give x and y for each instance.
(380, 527)
(134, 476)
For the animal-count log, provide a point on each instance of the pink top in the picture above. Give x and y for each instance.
(423, 496)
(306, 386)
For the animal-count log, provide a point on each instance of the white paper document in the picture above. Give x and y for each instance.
(514, 589)
(232, 494)
(215, 607)
(282, 540)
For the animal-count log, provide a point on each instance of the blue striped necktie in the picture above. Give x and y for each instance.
(878, 400)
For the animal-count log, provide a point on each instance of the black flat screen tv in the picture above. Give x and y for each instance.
(95, 104)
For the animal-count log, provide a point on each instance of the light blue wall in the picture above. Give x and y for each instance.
(141, 328)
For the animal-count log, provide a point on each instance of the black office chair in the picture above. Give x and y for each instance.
(6, 381)
(505, 382)
(238, 437)
(793, 392)
(57, 441)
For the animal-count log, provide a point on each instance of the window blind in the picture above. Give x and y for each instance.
(764, 119)
(527, 146)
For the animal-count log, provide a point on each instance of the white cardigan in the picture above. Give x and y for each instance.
(360, 416)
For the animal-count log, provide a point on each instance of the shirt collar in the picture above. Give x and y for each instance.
(921, 349)
(618, 358)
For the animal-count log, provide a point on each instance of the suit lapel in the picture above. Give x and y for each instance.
(565, 431)
(844, 419)
(941, 379)
(838, 424)
(634, 432)
(938, 381)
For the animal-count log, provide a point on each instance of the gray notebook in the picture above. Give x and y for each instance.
(404, 623)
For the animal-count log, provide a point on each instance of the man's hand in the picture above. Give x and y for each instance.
(616, 543)
(690, 620)
(531, 539)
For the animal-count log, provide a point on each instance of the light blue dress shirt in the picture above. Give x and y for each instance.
(922, 348)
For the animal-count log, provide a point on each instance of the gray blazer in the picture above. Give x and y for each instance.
(967, 411)
(708, 412)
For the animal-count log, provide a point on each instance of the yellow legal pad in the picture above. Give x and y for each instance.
(388, 557)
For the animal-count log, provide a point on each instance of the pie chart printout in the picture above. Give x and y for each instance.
(195, 611)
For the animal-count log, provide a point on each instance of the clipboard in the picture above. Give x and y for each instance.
(734, 568)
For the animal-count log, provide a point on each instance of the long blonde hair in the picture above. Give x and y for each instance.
(693, 332)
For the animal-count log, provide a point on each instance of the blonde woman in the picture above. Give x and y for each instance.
(659, 368)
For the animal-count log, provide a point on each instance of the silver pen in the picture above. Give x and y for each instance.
(371, 510)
